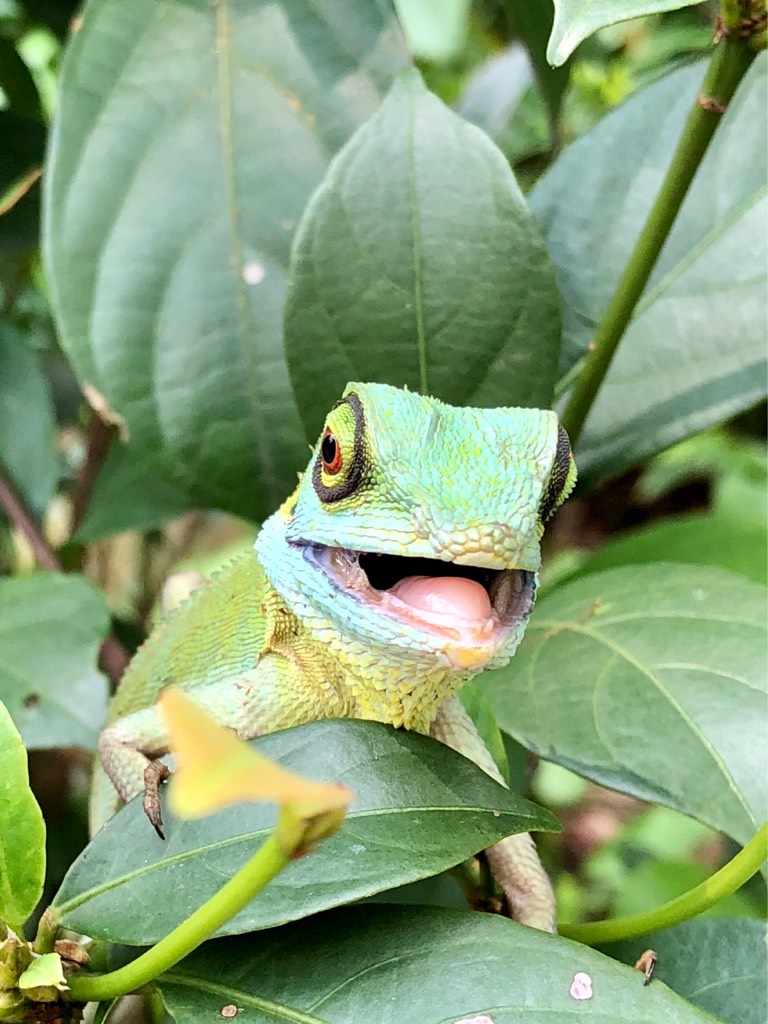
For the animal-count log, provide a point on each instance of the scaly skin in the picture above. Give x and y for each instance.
(301, 630)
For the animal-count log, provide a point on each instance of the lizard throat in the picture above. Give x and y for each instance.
(462, 607)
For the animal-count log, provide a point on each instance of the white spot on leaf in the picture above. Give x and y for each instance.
(581, 986)
(253, 272)
(482, 1019)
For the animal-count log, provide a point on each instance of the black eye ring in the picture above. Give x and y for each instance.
(355, 460)
(561, 466)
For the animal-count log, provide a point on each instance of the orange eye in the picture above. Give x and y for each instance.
(330, 452)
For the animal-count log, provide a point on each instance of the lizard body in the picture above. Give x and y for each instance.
(404, 563)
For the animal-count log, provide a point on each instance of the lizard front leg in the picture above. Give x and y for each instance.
(276, 694)
(514, 861)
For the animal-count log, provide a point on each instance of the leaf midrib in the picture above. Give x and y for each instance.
(95, 891)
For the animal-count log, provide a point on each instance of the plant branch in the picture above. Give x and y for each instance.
(235, 894)
(99, 440)
(692, 903)
(730, 62)
(112, 657)
(23, 519)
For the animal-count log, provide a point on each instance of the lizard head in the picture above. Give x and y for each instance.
(428, 517)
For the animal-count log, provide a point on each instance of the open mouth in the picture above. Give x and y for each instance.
(474, 606)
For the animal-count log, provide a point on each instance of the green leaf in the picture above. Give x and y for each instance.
(27, 428)
(435, 29)
(649, 680)
(187, 140)
(718, 963)
(418, 809)
(672, 375)
(50, 630)
(45, 972)
(418, 263)
(494, 90)
(479, 710)
(394, 965)
(17, 83)
(706, 538)
(129, 494)
(22, 831)
(534, 25)
(654, 882)
(576, 20)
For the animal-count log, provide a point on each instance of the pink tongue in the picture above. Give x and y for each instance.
(445, 595)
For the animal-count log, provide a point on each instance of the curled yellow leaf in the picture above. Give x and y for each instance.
(215, 768)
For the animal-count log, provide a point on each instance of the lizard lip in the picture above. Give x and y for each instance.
(470, 606)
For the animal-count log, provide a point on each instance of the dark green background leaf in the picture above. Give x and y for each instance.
(27, 428)
(406, 965)
(649, 680)
(695, 352)
(418, 263)
(718, 963)
(22, 144)
(533, 22)
(22, 831)
(50, 630)
(188, 138)
(129, 494)
(17, 83)
(419, 808)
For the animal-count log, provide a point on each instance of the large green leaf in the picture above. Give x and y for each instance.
(418, 263)
(27, 430)
(418, 809)
(402, 965)
(576, 20)
(718, 963)
(188, 138)
(22, 831)
(650, 680)
(703, 538)
(50, 630)
(694, 353)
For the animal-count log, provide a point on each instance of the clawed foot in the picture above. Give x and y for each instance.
(647, 964)
(154, 774)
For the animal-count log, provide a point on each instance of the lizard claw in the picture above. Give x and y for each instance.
(155, 773)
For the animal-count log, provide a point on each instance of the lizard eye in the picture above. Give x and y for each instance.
(561, 479)
(330, 452)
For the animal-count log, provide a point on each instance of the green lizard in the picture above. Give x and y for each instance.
(403, 564)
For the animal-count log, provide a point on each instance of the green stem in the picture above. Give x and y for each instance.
(47, 930)
(724, 882)
(730, 62)
(267, 862)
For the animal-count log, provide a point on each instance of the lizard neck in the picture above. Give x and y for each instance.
(386, 674)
